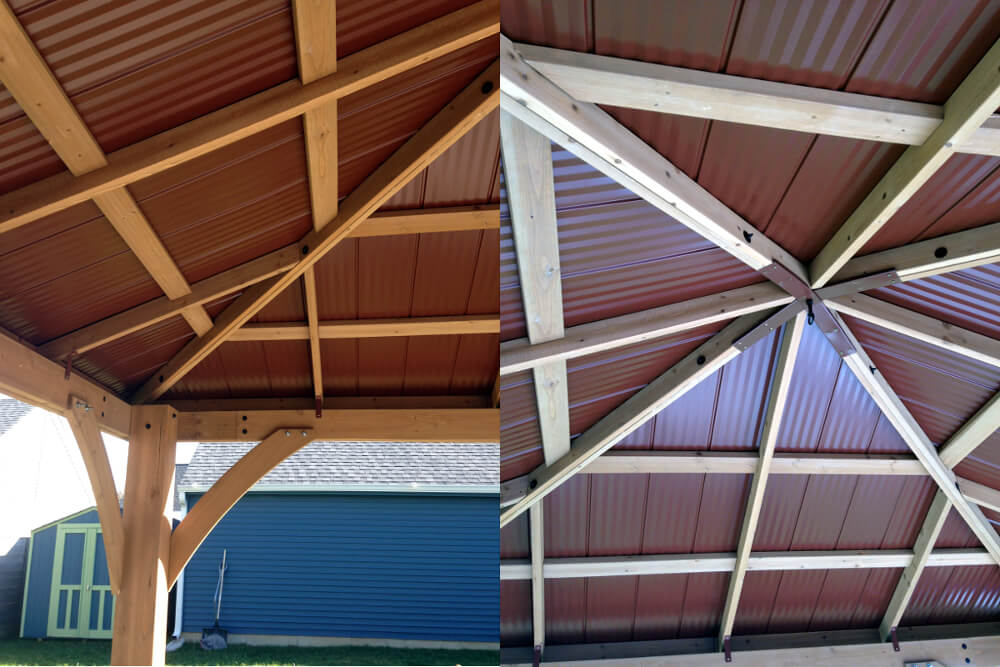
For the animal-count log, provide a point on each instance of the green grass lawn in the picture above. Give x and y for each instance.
(96, 652)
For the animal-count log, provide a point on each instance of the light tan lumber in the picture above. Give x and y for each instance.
(140, 622)
(316, 46)
(777, 400)
(527, 157)
(27, 76)
(961, 250)
(458, 325)
(922, 327)
(82, 420)
(630, 415)
(759, 561)
(444, 129)
(28, 376)
(982, 495)
(906, 426)
(330, 403)
(520, 354)
(972, 103)
(255, 114)
(537, 540)
(745, 463)
(594, 136)
(227, 490)
(929, 532)
(377, 425)
(687, 92)
(248, 273)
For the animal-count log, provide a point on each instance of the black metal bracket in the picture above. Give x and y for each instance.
(319, 407)
(537, 658)
(895, 639)
(811, 316)
(69, 365)
(727, 648)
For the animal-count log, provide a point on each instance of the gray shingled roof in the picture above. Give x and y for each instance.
(11, 412)
(392, 464)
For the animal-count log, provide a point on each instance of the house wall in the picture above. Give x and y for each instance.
(12, 569)
(39, 577)
(351, 565)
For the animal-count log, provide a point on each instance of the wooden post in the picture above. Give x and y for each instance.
(140, 626)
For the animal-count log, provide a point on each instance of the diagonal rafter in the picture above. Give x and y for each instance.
(316, 46)
(597, 138)
(906, 426)
(972, 103)
(471, 105)
(30, 81)
(780, 385)
(255, 114)
(654, 397)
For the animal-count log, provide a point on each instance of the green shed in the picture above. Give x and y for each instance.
(67, 592)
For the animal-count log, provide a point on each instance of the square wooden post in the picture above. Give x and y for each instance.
(140, 626)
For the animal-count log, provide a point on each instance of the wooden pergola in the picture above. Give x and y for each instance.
(553, 95)
(144, 556)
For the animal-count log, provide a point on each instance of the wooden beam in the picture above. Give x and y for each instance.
(943, 254)
(140, 623)
(982, 495)
(760, 561)
(527, 157)
(316, 46)
(520, 354)
(458, 325)
(594, 136)
(255, 114)
(536, 527)
(253, 271)
(744, 463)
(450, 402)
(470, 106)
(819, 652)
(736, 99)
(30, 377)
(380, 425)
(82, 420)
(30, 81)
(777, 400)
(654, 397)
(922, 549)
(227, 490)
(972, 103)
(922, 327)
(906, 426)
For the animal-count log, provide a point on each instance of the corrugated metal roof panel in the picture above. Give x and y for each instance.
(983, 464)
(25, 156)
(566, 611)
(515, 613)
(564, 24)
(950, 595)
(514, 538)
(520, 438)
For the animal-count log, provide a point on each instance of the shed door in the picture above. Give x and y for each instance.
(81, 604)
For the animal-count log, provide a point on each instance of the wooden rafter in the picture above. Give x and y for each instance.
(594, 136)
(520, 354)
(687, 92)
(470, 106)
(316, 46)
(922, 550)
(982, 495)
(227, 490)
(654, 397)
(972, 433)
(966, 110)
(536, 518)
(30, 81)
(459, 325)
(82, 420)
(906, 426)
(922, 327)
(449, 402)
(527, 158)
(952, 252)
(777, 400)
(760, 561)
(255, 114)
(348, 424)
(253, 271)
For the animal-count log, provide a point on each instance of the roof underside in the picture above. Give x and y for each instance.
(620, 255)
(133, 72)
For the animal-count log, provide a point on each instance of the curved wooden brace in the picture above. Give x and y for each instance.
(82, 420)
(228, 489)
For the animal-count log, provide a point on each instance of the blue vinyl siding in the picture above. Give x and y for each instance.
(39, 584)
(352, 565)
